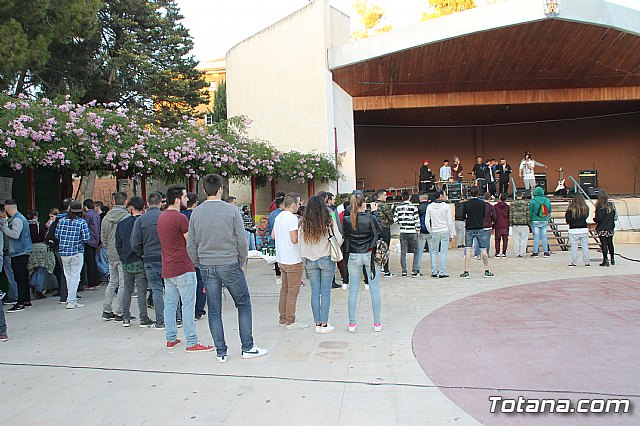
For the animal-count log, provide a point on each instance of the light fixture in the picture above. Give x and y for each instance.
(551, 8)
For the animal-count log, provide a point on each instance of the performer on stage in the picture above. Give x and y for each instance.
(426, 177)
(527, 172)
(457, 169)
(480, 174)
(504, 175)
(492, 179)
(445, 171)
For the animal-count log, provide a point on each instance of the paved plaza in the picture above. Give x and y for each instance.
(538, 329)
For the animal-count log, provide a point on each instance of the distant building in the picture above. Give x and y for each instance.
(215, 72)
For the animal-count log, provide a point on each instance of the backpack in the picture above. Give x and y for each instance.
(50, 237)
(380, 254)
(543, 210)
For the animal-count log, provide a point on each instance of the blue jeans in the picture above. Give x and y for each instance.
(356, 262)
(182, 287)
(201, 298)
(482, 241)
(37, 278)
(423, 239)
(3, 322)
(251, 240)
(474, 236)
(233, 279)
(321, 273)
(540, 231)
(153, 271)
(439, 242)
(13, 285)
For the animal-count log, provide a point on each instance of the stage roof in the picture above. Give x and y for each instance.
(477, 65)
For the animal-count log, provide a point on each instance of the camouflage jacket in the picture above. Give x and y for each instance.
(519, 213)
(385, 212)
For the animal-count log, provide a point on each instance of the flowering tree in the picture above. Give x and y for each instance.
(73, 138)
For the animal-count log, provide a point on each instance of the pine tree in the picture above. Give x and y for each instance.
(28, 31)
(139, 58)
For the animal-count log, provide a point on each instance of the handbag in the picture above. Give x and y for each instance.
(334, 247)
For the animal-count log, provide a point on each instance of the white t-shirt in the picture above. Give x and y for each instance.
(287, 253)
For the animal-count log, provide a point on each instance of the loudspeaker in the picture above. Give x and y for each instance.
(454, 191)
(588, 179)
(541, 181)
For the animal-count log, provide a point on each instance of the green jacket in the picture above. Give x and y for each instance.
(537, 205)
(385, 212)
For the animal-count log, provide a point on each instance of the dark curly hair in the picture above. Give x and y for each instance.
(316, 220)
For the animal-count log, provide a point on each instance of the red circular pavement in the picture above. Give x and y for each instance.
(571, 339)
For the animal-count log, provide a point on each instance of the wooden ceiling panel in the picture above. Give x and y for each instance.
(541, 55)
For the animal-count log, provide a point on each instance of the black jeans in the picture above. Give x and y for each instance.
(21, 274)
(385, 234)
(607, 247)
(93, 277)
(504, 187)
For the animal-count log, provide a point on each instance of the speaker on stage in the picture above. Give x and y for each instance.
(541, 181)
(454, 191)
(588, 179)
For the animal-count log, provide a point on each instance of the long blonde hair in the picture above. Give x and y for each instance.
(578, 206)
(357, 201)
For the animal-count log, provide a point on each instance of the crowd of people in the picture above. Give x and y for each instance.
(183, 254)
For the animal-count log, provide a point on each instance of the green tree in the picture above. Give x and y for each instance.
(370, 19)
(447, 7)
(220, 103)
(139, 58)
(29, 28)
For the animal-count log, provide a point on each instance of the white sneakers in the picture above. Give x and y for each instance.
(74, 305)
(324, 329)
(255, 352)
(278, 281)
(296, 326)
(377, 328)
(345, 286)
(366, 287)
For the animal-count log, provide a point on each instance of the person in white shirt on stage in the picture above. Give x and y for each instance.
(445, 171)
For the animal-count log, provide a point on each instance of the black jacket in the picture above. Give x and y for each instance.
(473, 213)
(459, 213)
(422, 210)
(575, 222)
(144, 238)
(364, 238)
(605, 219)
(123, 241)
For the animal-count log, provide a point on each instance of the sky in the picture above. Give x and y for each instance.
(217, 25)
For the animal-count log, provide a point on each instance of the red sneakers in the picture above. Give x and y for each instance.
(171, 345)
(199, 347)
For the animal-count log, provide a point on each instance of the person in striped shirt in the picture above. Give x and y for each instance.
(406, 215)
